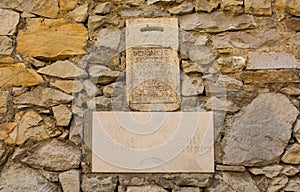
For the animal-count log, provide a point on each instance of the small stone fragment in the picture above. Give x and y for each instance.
(293, 24)
(68, 86)
(70, 180)
(114, 89)
(292, 154)
(234, 6)
(152, 188)
(6, 45)
(290, 90)
(18, 75)
(79, 14)
(62, 115)
(294, 7)
(67, 5)
(53, 155)
(216, 22)
(8, 21)
(182, 9)
(220, 104)
(51, 38)
(6, 129)
(42, 96)
(296, 130)
(277, 183)
(192, 86)
(90, 88)
(98, 182)
(3, 101)
(103, 8)
(104, 74)
(272, 60)
(293, 185)
(258, 7)
(208, 6)
(230, 168)
(270, 171)
(289, 170)
(187, 189)
(150, 2)
(63, 69)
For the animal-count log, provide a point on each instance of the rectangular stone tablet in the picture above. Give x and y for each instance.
(143, 142)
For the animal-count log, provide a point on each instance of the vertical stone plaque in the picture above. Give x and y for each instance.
(152, 64)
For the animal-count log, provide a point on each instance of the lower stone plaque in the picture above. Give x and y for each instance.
(141, 142)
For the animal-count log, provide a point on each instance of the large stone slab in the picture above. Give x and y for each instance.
(260, 132)
(8, 21)
(18, 75)
(152, 142)
(46, 8)
(152, 64)
(52, 38)
(216, 22)
(272, 60)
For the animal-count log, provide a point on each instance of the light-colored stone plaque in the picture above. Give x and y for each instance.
(142, 142)
(152, 64)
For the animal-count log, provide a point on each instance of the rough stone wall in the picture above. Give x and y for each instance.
(49, 56)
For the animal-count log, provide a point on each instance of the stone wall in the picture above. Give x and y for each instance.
(51, 52)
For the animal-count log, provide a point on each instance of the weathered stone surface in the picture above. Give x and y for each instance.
(187, 189)
(277, 183)
(150, 2)
(230, 168)
(90, 88)
(293, 24)
(53, 155)
(215, 103)
(6, 129)
(8, 21)
(43, 96)
(142, 12)
(70, 180)
(104, 74)
(103, 8)
(152, 188)
(18, 75)
(293, 185)
(234, 182)
(208, 6)
(98, 183)
(3, 102)
(63, 69)
(249, 39)
(272, 60)
(46, 8)
(260, 131)
(79, 14)
(270, 76)
(49, 38)
(216, 22)
(192, 86)
(68, 86)
(231, 64)
(67, 5)
(294, 7)
(114, 89)
(289, 170)
(6, 45)
(62, 115)
(258, 7)
(17, 177)
(195, 180)
(200, 55)
(28, 127)
(296, 130)
(290, 90)
(292, 154)
(270, 171)
(182, 8)
(234, 6)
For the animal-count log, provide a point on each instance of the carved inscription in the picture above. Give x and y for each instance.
(152, 69)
